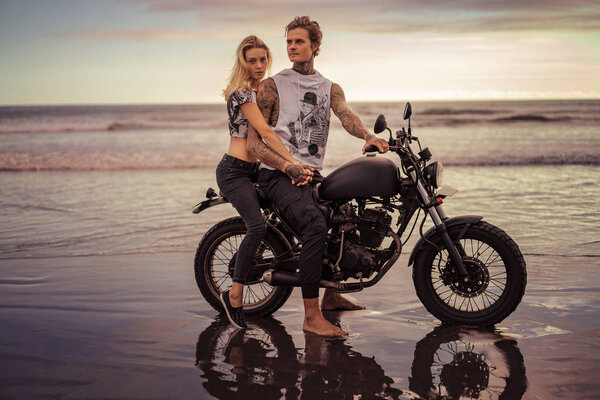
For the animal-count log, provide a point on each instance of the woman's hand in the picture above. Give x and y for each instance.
(300, 174)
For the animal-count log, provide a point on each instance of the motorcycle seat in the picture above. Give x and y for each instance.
(262, 199)
(325, 209)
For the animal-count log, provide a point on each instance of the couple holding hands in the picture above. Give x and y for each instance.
(283, 122)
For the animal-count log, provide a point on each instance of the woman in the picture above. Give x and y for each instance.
(238, 165)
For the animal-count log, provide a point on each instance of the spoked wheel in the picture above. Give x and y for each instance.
(496, 277)
(215, 262)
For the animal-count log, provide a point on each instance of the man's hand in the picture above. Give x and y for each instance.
(300, 174)
(381, 144)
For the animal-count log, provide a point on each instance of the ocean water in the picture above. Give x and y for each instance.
(116, 138)
(122, 179)
(97, 242)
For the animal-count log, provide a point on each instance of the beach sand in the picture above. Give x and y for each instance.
(135, 326)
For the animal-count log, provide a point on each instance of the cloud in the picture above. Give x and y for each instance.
(146, 34)
(392, 16)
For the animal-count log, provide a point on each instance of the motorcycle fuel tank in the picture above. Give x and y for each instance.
(360, 178)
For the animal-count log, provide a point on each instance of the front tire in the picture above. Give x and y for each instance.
(215, 259)
(496, 270)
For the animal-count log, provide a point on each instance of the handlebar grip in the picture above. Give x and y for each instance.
(371, 148)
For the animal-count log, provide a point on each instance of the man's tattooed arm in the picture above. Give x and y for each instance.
(256, 146)
(351, 122)
(267, 99)
(296, 172)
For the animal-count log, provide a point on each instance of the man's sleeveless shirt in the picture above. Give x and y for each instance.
(304, 112)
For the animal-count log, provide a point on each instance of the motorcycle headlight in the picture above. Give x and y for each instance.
(433, 174)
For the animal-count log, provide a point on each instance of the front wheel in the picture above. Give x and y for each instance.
(215, 261)
(496, 271)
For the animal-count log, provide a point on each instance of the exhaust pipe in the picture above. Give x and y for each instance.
(281, 278)
(286, 278)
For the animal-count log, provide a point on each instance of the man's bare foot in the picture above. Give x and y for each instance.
(315, 322)
(319, 325)
(332, 300)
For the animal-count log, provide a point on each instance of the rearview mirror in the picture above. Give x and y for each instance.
(380, 124)
(407, 111)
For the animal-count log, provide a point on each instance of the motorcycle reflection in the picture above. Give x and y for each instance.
(263, 362)
(460, 363)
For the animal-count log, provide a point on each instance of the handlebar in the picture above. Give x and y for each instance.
(371, 149)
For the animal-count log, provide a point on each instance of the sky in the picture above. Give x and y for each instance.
(182, 51)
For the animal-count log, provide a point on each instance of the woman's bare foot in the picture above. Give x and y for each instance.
(315, 322)
(332, 300)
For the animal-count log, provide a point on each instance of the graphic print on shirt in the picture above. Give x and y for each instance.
(308, 132)
(238, 124)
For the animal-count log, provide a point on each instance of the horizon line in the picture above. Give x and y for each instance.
(90, 104)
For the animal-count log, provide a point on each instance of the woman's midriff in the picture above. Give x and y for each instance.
(237, 149)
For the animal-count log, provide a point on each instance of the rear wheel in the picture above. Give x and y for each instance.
(496, 271)
(215, 261)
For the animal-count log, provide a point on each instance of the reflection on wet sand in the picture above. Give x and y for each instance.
(263, 362)
(457, 363)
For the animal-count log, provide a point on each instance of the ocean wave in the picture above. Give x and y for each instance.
(531, 118)
(429, 118)
(59, 161)
(459, 111)
(171, 161)
(541, 160)
(111, 126)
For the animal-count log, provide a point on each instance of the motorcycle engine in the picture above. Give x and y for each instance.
(362, 235)
(374, 224)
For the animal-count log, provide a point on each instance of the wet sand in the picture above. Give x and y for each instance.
(128, 327)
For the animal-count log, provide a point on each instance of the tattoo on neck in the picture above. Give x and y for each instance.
(305, 67)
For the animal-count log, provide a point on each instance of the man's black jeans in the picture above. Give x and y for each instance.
(300, 210)
(234, 177)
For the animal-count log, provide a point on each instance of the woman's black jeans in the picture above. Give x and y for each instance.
(234, 177)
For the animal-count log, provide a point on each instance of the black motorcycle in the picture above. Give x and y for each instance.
(465, 270)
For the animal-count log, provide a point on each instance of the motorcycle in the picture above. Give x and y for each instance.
(465, 270)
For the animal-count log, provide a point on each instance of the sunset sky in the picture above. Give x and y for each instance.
(181, 51)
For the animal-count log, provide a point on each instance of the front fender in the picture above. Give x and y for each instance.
(209, 203)
(461, 220)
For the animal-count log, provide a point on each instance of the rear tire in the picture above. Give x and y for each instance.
(496, 268)
(214, 261)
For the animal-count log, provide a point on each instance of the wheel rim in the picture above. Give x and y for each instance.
(488, 278)
(221, 257)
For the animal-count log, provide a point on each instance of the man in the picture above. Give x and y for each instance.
(297, 103)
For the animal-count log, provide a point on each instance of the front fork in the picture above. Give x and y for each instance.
(438, 215)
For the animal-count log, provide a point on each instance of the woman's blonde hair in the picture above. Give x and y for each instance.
(240, 75)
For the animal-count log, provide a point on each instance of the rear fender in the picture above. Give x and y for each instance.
(461, 220)
(209, 203)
